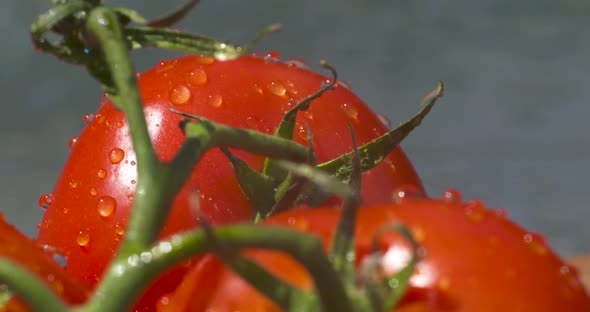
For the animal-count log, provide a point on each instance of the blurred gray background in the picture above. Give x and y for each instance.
(512, 129)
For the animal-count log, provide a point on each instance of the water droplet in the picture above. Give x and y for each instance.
(308, 114)
(298, 63)
(452, 195)
(45, 201)
(116, 155)
(344, 84)
(87, 118)
(258, 89)
(83, 239)
(204, 59)
(301, 132)
(162, 303)
(215, 101)
(100, 118)
(406, 191)
(106, 206)
(65, 210)
(133, 181)
(197, 77)
(145, 257)
(179, 95)
(500, 213)
(73, 184)
(93, 191)
(350, 111)
(252, 122)
(287, 106)
(130, 197)
(277, 88)
(291, 220)
(273, 56)
(119, 124)
(119, 230)
(165, 65)
(474, 210)
(384, 120)
(133, 163)
(536, 242)
(72, 142)
(56, 254)
(101, 173)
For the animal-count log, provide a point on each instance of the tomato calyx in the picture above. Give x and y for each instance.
(275, 189)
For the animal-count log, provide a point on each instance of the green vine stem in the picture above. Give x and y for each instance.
(29, 287)
(137, 269)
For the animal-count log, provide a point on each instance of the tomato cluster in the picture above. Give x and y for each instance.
(472, 258)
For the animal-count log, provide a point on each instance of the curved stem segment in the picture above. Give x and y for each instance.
(133, 272)
(35, 292)
(145, 221)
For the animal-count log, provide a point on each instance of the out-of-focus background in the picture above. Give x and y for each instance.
(512, 129)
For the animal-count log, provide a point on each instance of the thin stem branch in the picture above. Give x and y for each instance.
(137, 269)
(35, 292)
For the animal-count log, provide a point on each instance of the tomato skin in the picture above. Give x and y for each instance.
(475, 260)
(93, 196)
(18, 248)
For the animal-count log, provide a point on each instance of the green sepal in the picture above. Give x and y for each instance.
(151, 37)
(173, 17)
(376, 150)
(5, 295)
(127, 16)
(259, 188)
(286, 127)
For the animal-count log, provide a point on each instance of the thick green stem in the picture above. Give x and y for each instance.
(35, 292)
(136, 270)
(146, 220)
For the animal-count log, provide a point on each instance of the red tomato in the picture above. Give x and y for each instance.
(18, 248)
(90, 204)
(475, 260)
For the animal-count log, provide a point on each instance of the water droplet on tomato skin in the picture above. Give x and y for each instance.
(119, 230)
(384, 120)
(73, 184)
(297, 63)
(106, 207)
(197, 77)
(45, 201)
(499, 212)
(119, 124)
(452, 195)
(277, 88)
(116, 155)
(83, 239)
(215, 101)
(72, 142)
(287, 106)
(101, 173)
(162, 303)
(179, 95)
(406, 191)
(475, 210)
(88, 118)
(350, 111)
(536, 242)
(204, 60)
(56, 254)
(93, 191)
(344, 84)
(272, 56)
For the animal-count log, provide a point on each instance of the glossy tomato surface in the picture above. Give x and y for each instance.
(87, 212)
(474, 259)
(18, 248)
